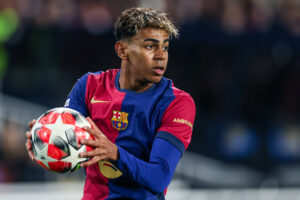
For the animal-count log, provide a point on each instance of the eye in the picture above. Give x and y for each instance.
(149, 46)
(166, 48)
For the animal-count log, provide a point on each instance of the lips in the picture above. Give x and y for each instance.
(158, 70)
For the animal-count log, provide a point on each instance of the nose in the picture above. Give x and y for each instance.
(160, 54)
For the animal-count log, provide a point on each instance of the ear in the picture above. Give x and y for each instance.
(120, 48)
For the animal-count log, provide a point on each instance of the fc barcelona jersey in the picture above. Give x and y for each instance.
(151, 129)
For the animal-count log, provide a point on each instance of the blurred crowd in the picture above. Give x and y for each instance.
(97, 16)
(239, 59)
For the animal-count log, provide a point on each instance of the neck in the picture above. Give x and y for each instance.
(128, 80)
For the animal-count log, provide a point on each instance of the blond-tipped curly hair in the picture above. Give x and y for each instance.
(134, 19)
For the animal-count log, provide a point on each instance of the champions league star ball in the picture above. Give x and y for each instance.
(55, 140)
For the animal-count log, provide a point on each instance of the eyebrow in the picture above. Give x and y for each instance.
(155, 40)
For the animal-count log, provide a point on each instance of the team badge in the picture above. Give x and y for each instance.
(119, 120)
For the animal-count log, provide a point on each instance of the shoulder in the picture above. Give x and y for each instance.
(178, 119)
(96, 78)
(179, 96)
(100, 74)
(182, 102)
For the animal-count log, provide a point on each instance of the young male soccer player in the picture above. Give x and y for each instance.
(141, 123)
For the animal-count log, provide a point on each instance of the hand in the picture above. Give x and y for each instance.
(103, 148)
(28, 141)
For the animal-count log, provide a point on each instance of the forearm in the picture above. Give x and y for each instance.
(156, 174)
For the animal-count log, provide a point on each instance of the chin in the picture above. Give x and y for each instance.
(156, 79)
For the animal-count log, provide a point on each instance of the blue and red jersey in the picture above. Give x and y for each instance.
(151, 129)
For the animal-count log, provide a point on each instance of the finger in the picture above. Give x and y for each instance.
(31, 123)
(29, 149)
(92, 143)
(93, 132)
(28, 145)
(94, 126)
(87, 154)
(92, 123)
(93, 153)
(28, 135)
(92, 161)
(31, 155)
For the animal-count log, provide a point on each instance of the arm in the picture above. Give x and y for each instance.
(156, 174)
(76, 98)
(171, 140)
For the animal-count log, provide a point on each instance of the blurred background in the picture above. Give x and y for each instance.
(239, 59)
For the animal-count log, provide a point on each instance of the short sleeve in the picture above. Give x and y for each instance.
(76, 98)
(177, 121)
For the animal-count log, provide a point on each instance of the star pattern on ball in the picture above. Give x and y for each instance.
(55, 139)
(56, 128)
(74, 158)
(42, 156)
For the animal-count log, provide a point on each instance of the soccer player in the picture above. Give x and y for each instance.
(141, 123)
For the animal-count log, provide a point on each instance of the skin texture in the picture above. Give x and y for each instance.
(141, 55)
(28, 141)
(104, 149)
(144, 59)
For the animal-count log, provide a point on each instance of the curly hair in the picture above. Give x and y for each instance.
(134, 19)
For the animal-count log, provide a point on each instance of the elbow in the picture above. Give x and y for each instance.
(160, 188)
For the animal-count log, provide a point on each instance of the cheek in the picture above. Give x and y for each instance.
(148, 57)
(141, 59)
(135, 55)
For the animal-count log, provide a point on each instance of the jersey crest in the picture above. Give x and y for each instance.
(119, 120)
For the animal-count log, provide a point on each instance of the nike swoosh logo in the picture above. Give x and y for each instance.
(98, 101)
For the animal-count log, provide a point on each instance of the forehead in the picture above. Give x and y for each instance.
(159, 34)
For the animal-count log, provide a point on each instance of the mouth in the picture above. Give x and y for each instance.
(158, 70)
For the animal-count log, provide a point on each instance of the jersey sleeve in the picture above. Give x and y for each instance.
(173, 137)
(76, 98)
(156, 174)
(177, 122)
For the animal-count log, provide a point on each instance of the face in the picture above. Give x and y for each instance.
(147, 55)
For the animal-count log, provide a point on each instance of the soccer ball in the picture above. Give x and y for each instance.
(55, 140)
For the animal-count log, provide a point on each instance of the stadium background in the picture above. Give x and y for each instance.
(239, 59)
